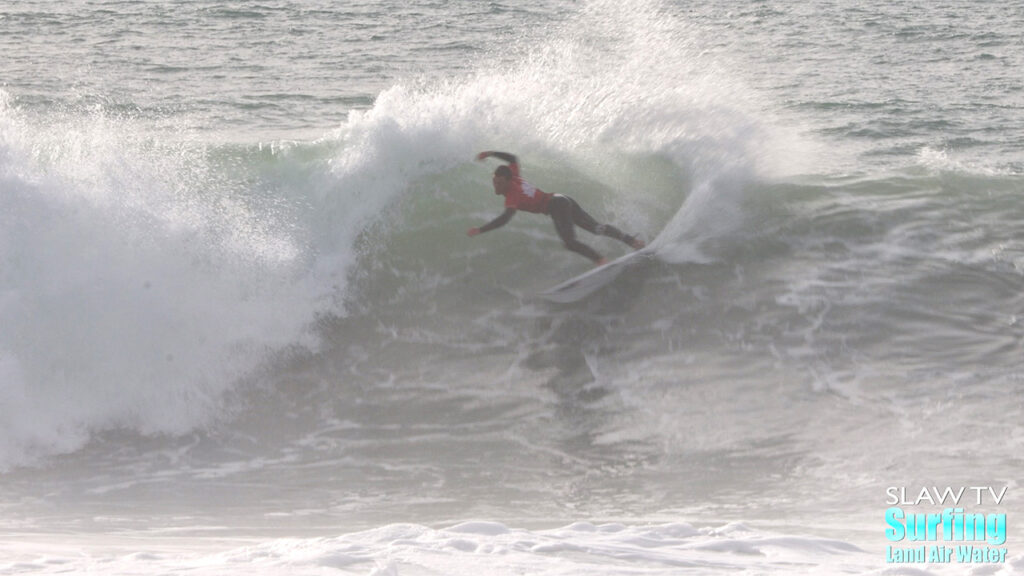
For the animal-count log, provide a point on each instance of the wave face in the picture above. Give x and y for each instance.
(283, 336)
(146, 279)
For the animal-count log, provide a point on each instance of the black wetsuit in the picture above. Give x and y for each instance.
(566, 213)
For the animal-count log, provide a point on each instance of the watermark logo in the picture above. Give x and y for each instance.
(950, 524)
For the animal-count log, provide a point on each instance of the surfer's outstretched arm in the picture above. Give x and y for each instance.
(496, 223)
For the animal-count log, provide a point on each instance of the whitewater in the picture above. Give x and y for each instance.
(243, 330)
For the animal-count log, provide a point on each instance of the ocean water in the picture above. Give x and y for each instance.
(242, 329)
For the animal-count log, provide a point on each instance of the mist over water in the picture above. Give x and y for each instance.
(138, 287)
(242, 302)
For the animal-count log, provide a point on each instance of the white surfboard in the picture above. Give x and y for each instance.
(578, 288)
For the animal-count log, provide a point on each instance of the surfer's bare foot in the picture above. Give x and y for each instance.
(637, 244)
(601, 262)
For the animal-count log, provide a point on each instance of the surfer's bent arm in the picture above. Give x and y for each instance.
(504, 156)
(499, 221)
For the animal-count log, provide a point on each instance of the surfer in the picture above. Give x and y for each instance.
(566, 213)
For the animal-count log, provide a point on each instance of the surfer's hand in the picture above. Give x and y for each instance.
(483, 155)
(473, 232)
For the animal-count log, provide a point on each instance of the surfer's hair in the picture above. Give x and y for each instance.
(504, 172)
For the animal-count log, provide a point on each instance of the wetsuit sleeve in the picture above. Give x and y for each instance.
(499, 221)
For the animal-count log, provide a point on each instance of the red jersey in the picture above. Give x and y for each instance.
(524, 196)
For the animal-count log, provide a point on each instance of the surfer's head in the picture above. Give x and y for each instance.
(502, 179)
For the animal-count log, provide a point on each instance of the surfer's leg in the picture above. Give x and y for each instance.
(588, 223)
(561, 210)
